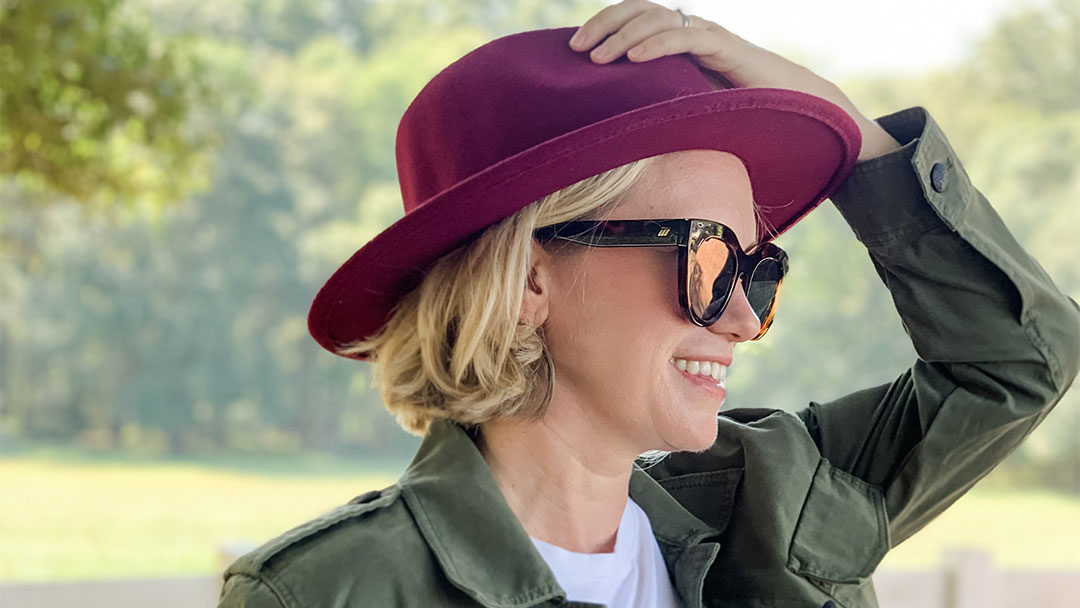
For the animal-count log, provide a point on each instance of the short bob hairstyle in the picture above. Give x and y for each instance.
(454, 347)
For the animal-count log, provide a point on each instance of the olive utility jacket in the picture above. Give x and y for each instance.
(785, 510)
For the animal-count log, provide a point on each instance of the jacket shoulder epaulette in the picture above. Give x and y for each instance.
(358, 508)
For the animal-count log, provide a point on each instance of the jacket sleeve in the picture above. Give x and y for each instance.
(997, 343)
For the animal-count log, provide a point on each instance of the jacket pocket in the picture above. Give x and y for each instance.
(842, 532)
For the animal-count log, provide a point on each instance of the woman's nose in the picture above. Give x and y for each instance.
(739, 322)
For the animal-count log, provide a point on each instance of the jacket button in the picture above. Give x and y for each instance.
(829, 604)
(939, 177)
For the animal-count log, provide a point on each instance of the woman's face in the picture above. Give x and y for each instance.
(615, 330)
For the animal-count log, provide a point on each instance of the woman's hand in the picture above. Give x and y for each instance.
(642, 31)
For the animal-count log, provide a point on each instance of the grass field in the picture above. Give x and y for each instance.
(66, 521)
(1019, 529)
(63, 521)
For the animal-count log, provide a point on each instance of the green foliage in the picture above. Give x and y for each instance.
(182, 329)
(1031, 59)
(95, 104)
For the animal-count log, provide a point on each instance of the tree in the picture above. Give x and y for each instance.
(96, 105)
(185, 330)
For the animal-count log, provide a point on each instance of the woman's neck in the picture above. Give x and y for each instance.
(562, 481)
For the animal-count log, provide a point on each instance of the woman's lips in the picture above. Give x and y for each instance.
(705, 382)
(705, 374)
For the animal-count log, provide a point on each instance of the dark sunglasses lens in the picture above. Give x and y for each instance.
(761, 289)
(712, 274)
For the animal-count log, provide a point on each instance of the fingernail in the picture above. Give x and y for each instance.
(575, 40)
(598, 53)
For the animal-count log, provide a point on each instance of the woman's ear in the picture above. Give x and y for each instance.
(535, 299)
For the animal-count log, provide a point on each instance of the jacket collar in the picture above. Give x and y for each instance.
(479, 542)
(680, 535)
(671, 523)
(476, 538)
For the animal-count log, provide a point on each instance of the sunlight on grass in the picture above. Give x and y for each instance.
(62, 521)
(67, 521)
(1025, 529)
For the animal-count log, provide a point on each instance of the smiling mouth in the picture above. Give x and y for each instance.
(702, 369)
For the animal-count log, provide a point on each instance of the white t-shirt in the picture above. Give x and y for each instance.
(633, 576)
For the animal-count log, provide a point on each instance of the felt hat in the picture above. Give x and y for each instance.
(525, 115)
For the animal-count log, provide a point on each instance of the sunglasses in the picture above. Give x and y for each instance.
(711, 261)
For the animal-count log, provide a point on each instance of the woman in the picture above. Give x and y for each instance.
(542, 348)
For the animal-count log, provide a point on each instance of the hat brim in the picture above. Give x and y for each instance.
(797, 149)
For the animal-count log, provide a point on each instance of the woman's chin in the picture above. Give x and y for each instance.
(696, 438)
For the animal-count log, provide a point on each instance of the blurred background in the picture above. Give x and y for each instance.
(179, 177)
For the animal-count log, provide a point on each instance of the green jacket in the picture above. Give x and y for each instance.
(785, 509)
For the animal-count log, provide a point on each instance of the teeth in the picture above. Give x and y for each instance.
(704, 368)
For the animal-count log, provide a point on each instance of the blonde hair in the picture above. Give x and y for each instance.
(454, 347)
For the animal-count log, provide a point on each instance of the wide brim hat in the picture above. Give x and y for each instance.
(525, 115)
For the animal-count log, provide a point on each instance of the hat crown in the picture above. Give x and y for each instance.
(524, 116)
(517, 92)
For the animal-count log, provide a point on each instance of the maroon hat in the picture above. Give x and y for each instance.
(525, 115)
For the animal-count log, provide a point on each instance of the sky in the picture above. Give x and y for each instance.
(843, 38)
